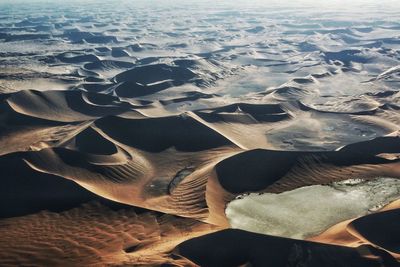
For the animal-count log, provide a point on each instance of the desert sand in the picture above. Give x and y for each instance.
(192, 133)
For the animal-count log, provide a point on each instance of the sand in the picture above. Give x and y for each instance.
(194, 133)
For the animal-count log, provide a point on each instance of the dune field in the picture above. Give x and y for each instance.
(200, 133)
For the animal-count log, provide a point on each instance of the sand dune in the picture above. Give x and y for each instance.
(130, 133)
(353, 232)
(190, 164)
(278, 171)
(222, 249)
(362, 227)
(95, 235)
(69, 106)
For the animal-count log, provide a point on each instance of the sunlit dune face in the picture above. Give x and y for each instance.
(95, 235)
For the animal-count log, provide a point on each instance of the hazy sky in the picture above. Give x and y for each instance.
(364, 8)
(394, 3)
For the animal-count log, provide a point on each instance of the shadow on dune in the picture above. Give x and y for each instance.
(381, 229)
(236, 247)
(25, 191)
